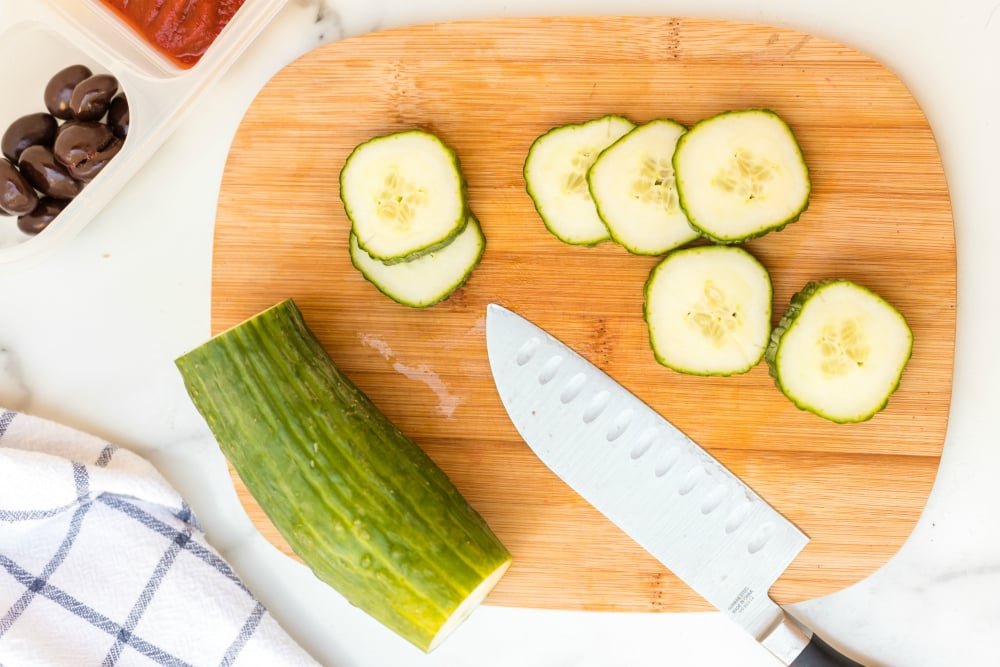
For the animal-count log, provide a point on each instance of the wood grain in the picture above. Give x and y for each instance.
(880, 214)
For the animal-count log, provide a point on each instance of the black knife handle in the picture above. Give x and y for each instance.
(818, 653)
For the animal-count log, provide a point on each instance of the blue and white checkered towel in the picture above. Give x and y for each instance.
(103, 563)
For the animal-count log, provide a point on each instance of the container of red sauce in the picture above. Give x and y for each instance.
(163, 62)
(182, 30)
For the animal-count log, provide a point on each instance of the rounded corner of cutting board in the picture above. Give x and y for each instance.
(880, 210)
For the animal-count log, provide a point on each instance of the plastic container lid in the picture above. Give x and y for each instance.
(60, 33)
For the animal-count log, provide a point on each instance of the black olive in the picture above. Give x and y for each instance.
(47, 175)
(85, 148)
(91, 97)
(17, 197)
(60, 88)
(31, 130)
(118, 116)
(43, 214)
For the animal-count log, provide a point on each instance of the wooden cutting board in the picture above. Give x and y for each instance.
(879, 214)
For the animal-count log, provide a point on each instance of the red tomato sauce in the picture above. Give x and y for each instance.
(182, 30)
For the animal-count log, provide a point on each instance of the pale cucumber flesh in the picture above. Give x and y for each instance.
(708, 310)
(632, 185)
(555, 175)
(840, 351)
(741, 174)
(430, 278)
(404, 194)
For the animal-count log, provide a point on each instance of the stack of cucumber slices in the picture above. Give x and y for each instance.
(412, 233)
(609, 179)
(839, 350)
(657, 186)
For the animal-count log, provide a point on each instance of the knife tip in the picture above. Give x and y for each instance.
(494, 309)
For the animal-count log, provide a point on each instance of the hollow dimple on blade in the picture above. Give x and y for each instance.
(662, 489)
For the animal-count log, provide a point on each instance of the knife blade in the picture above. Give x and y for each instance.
(660, 487)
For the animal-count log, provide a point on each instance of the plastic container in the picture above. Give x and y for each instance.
(45, 36)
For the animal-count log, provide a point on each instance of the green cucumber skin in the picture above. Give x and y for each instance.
(363, 506)
(777, 227)
(749, 237)
(457, 228)
(531, 194)
(794, 309)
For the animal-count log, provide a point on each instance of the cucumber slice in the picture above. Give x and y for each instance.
(632, 184)
(708, 310)
(404, 194)
(555, 174)
(430, 278)
(839, 351)
(741, 174)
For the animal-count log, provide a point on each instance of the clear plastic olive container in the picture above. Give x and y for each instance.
(60, 33)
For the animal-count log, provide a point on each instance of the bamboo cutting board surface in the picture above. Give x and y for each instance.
(880, 214)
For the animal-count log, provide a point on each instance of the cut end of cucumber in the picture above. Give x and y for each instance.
(404, 194)
(741, 174)
(633, 187)
(839, 351)
(708, 310)
(555, 175)
(468, 605)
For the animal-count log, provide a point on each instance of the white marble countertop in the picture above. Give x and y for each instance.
(89, 336)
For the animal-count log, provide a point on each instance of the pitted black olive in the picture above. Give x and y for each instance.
(86, 148)
(16, 195)
(118, 116)
(91, 97)
(40, 167)
(60, 88)
(43, 214)
(33, 129)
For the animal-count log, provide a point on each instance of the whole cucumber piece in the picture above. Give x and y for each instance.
(357, 500)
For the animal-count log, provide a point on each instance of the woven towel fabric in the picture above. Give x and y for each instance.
(103, 563)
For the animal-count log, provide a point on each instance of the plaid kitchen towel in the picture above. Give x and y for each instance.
(103, 563)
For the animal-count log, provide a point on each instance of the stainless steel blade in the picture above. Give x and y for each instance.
(667, 493)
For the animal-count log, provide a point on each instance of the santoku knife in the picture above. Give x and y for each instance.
(662, 489)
